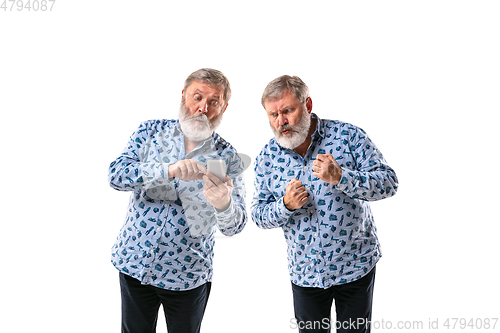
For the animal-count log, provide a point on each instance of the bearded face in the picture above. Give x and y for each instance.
(291, 137)
(201, 110)
(197, 127)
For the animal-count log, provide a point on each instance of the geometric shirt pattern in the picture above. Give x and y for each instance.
(332, 239)
(167, 239)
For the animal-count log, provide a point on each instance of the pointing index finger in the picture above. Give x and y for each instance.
(201, 168)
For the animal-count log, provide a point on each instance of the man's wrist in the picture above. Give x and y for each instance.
(224, 208)
(283, 209)
(286, 206)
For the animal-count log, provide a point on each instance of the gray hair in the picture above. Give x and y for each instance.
(211, 77)
(286, 83)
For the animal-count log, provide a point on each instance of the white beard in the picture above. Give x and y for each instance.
(197, 128)
(297, 134)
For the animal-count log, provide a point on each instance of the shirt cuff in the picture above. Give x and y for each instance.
(343, 185)
(225, 217)
(155, 174)
(283, 212)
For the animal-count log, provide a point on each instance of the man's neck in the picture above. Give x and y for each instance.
(189, 145)
(302, 149)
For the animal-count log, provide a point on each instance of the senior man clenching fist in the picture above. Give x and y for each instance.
(314, 180)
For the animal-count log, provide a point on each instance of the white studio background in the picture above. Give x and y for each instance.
(421, 77)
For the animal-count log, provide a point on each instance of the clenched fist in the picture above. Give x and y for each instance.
(186, 170)
(326, 168)
(295, 195)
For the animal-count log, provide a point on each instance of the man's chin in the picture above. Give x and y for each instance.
(196, 132)
(199, 127)
(289, 141)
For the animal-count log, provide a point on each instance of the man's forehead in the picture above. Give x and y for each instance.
(284, 100)
(206, 88)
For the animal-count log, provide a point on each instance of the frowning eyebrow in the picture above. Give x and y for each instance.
(283, 108)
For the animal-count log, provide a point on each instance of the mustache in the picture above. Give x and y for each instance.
(200, 117)
(286, 127)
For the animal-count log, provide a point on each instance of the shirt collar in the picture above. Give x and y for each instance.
(319, 128)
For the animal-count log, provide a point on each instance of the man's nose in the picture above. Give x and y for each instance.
(282, 119)
(203, 108)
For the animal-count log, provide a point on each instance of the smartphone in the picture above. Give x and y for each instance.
(218, 168)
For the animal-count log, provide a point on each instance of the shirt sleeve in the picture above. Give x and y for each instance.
(233, 219)
(267, 210)
(131, 170)
(371, 178)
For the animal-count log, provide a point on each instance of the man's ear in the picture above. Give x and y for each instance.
(224, 110)
(309, 104)
(182, 94)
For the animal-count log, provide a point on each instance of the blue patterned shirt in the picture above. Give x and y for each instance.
(332, 239)
(168, 237)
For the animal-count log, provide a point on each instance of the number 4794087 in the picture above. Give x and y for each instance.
(27, 5)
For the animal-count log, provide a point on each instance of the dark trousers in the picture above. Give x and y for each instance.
(140, 304)
(353, 304)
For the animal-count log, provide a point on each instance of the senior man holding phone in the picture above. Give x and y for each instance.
(164, 250)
